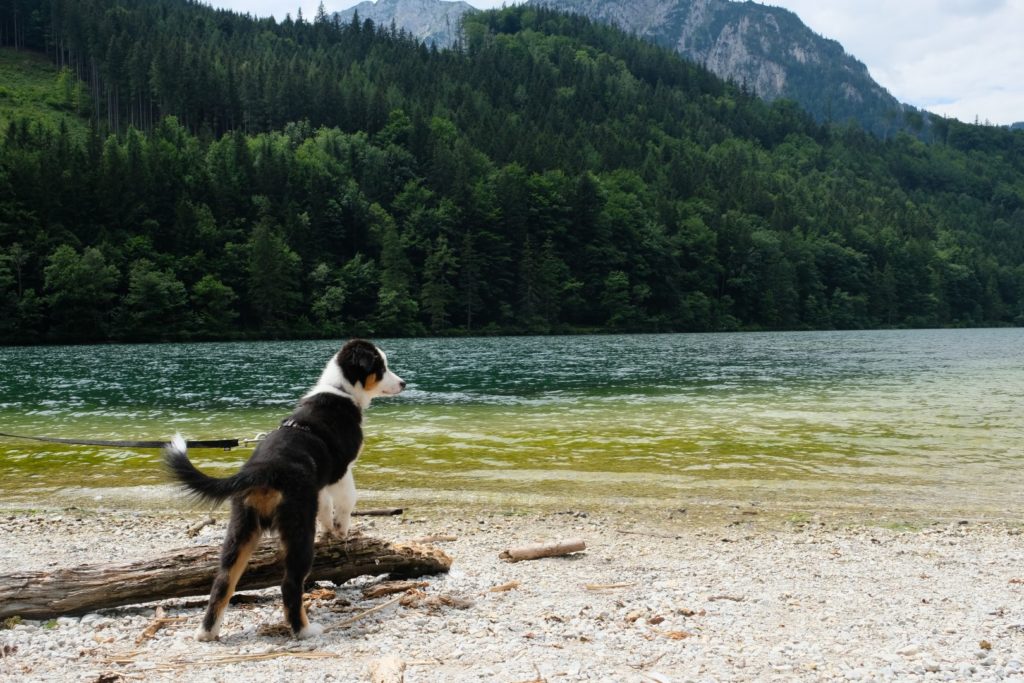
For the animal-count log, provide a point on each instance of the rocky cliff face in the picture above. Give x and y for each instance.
(432, 21)
(767, 49)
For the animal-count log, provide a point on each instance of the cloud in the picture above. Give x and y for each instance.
(965, 54)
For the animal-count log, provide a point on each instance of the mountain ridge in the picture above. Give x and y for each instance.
(766, 49)
(432, 21)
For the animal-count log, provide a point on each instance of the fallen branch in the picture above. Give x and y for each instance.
(387, 512)
(539, 550)
(651, 534)
(190, 571)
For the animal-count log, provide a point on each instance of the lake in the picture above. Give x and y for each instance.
(926, 421)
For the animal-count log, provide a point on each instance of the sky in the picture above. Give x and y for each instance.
(958, 58)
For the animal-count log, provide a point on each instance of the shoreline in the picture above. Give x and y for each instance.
(707, 594)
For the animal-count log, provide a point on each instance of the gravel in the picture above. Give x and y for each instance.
(738, 595)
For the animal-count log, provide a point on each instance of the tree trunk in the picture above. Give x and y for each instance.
(190, 571)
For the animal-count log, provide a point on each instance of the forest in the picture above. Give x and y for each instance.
(199, 174)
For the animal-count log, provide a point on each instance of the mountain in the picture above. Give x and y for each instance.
(766, 49)
(432, 21)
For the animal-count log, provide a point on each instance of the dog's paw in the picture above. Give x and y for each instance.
(206, 636)
(311, 630)
(341, 528)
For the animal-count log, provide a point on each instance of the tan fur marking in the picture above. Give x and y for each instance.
(370, 382)
(264, 501)
(303, 619)
(237, 569)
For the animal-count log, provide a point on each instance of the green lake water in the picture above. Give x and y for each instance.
(930, 421)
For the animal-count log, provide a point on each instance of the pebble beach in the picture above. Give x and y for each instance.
(732, 595)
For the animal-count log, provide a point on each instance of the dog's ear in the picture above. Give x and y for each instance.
(358, 360)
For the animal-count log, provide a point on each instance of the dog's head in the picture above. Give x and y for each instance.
(360, 370)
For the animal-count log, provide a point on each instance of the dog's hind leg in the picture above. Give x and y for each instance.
(297, 540)
(241, 540)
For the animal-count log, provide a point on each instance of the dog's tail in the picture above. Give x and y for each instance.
(200, 486)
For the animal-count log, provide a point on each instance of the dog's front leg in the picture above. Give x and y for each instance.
(343, 494)
(325, 510)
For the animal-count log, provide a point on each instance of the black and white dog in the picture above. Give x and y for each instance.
(299, 473)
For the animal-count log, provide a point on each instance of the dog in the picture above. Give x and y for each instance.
(299, 473)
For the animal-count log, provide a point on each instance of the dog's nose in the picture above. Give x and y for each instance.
(402, 384)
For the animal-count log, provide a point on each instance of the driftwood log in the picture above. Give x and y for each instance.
(536, 551)
(190, 571)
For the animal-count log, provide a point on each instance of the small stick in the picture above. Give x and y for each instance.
(539, 550)
(361, 615)
(388, 669)
(606, 586)
(652, 534)
(194, 530)
(435, 538)
(154, 626)
(392, 587)
(734, 598)
(504, 588)
(387, 512)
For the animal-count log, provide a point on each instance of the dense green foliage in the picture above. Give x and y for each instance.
(254, 178)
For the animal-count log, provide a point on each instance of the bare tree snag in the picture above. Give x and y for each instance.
(539, 550)
(190, 571)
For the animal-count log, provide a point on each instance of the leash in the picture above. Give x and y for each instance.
(226, 444)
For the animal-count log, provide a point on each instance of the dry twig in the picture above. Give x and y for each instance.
(194, 530)
(392, 587)
(504, 588)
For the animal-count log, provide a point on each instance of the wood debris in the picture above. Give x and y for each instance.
(607, 586)
(651, 534)
(538, 550)
(322, 594)
(415, 598)
(366, 613)
(392, 587)
(388, 669)
(159, 621)
(387, 512)
(435, 538)
(194, 530)
(190, 571)
(673, 635)
(504, 588)
(281, 630)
